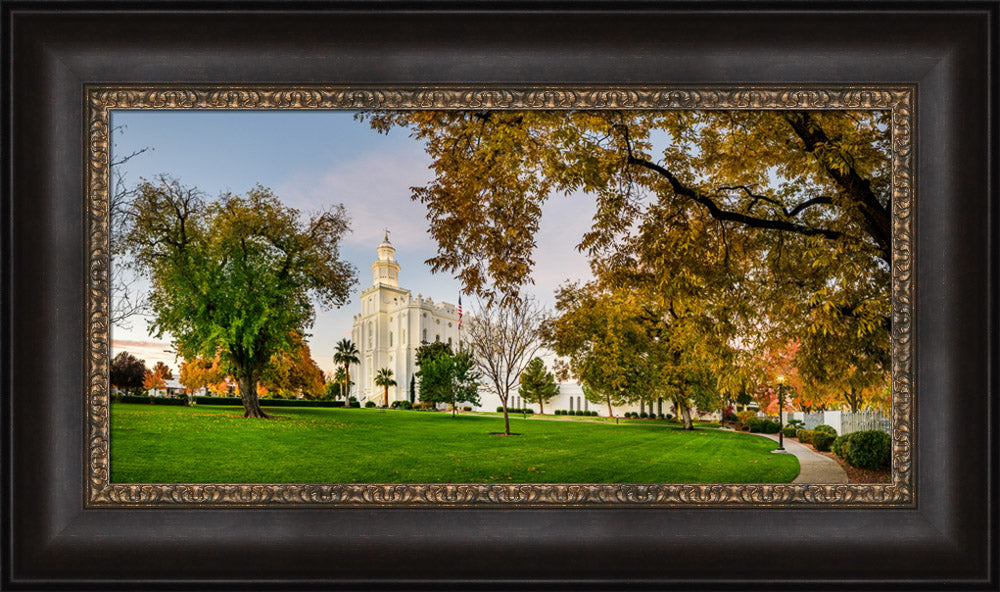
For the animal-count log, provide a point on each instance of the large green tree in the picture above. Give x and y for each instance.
(537, 384)
(771, 224)
(235, 277)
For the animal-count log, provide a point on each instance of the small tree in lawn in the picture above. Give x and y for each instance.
(127, 372)
(450, 379)
(538, 384)
(413, 389)
(503, 338)
(346, 354)
(384, 379)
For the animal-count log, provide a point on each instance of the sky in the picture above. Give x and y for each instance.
(313, 160)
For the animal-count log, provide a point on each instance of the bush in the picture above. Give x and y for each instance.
(768, 426)
(756, 425)
(789, 431)
(804, 436)
(822, 439)
(593, 414)
(355, 404)
(840, 445)
(870, 449)
(402, 405)
(134, 399)
(466, 408)
(369, 404)
(795, 423)
(825, 428)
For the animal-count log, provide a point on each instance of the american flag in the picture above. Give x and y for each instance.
(460, 311)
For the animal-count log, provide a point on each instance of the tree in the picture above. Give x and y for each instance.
(451, 379)
(384, 379)
(293, 372)
(431, 350)
(346, 354)
(502, 339)
(236, 277)
(200, 373)
(155, 378)
(413, 389)
(163, 370)
(127, 372)
(782, 217)
(126, 299)
(537, 384)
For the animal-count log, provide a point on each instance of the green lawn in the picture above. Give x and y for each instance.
(203, 444)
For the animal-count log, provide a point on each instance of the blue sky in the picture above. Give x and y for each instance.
(311, 160)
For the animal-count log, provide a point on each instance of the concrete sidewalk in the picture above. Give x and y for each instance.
(813, 467)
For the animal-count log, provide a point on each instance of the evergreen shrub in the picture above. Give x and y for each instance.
(822, 439)
(869, 449)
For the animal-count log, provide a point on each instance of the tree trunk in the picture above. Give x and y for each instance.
(248, 393)
(385, 399)
(541, 410)
(506, 420)
(686, 414)
(347, 386)
(611, 412)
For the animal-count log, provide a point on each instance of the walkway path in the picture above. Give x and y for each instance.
(813, 466)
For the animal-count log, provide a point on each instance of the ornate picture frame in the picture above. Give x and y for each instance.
(64, 525)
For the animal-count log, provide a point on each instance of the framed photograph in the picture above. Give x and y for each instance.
(782, 230)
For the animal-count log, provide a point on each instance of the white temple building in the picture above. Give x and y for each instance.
(391, 326)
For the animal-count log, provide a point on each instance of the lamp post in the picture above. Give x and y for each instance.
(781, 407)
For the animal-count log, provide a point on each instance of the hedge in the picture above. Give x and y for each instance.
(146, 400)
(264, 402)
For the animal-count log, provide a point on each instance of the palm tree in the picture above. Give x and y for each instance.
(384, 380)
(346, 354)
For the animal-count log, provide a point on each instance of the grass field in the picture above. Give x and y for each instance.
(203, 444)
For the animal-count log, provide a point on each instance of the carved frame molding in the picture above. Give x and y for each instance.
(103, 99)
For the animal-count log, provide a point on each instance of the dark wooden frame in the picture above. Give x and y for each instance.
(51, 540)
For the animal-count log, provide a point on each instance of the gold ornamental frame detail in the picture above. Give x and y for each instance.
(103, 99)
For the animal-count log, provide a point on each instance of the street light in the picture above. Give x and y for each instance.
(781, 407)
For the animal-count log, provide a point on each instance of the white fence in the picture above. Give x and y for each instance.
(845, 422)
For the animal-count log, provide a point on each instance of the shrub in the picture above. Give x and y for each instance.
(135, 399)
(870, 449)
(756, 425)
(822, 439)
(593, 414)
(355, 404)
(643, 415)
(500, 409)
(402, 405)
(804, 436)
(789, 431)
(768, 426)
(825, 428)
(840, 445)
(370, 405)
(670, 416)
(796, 423)
(466, 408)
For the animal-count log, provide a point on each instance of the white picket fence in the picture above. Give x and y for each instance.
(845, 422)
